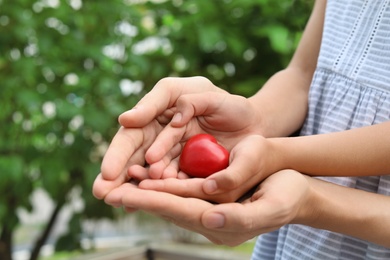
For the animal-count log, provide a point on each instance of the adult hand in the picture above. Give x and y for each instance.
(127, 148)
(280, 199)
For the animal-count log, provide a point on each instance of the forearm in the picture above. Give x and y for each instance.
(348, 211)
(358, 152)
(282, 103)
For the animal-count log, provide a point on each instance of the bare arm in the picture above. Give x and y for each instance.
(282, 101)
(348, 211)
(285, 197)
(357, 152)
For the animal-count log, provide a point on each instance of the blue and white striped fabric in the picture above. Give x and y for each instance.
(350, 88)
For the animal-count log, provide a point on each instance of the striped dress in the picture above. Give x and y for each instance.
(350, 88)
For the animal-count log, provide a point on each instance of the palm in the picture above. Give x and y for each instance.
(228, 118)
(267, 210)
(126, 149)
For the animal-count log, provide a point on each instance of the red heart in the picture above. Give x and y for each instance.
(203, 156)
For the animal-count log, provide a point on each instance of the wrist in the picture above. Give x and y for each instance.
(308, 212)
(260, 125)
(276, 151)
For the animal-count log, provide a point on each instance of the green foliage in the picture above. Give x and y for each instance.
(69, 68)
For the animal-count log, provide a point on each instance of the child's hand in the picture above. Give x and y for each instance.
(186, 107)
(251, 161)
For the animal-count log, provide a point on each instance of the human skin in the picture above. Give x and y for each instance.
(187, 106)
(277, 110)
(283, 198)
(357, 152)
(130, 146)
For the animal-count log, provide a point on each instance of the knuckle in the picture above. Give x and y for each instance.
(166, 82)
(202, 79)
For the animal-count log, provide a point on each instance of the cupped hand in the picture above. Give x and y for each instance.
(161, 101)
(229, 118)
(251, 161)
(282, 198)
(189, 106)
(141, 125)
(127, 148)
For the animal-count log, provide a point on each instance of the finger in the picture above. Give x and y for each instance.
(122, 147)
(128, 147)
(101, 187)
(114, 196)
(181, 210)
(172, 170)
(168, 166)
(165, 144)
(164, 169)
(138, 172)
(166, 116)
(187, 187)
(151, 106)
(162, 97)
(220, 111)
(180, 187)
(181, 175)
(158, 170)
(191, 105)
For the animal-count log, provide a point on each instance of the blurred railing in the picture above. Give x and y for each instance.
(167, 252)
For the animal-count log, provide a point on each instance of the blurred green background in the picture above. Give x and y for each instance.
(68, 68)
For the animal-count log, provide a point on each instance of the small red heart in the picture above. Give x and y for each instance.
(203, 156)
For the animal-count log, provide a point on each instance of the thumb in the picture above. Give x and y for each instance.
(243, 173)
(241, 217)
(230, 216)
(235, 222)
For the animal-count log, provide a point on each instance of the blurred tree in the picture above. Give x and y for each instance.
(68, 68)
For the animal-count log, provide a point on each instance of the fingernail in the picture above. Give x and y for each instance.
(210, 186)
(177, 118)
(214, 220)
